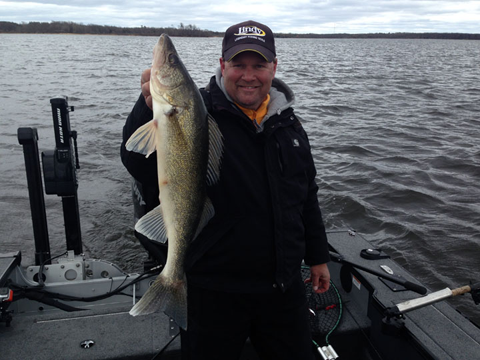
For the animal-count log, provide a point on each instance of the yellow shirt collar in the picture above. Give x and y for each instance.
(259, 114)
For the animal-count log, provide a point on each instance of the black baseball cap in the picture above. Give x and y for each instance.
(248, 36)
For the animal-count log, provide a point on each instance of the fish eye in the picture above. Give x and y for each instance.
(172, 59)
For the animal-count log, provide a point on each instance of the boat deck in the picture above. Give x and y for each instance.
(434, 332)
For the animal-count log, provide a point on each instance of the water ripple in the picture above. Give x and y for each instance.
(393, 124)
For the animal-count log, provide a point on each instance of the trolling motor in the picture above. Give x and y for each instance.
(59, 171)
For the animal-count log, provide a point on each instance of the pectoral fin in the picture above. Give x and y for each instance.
(143, 140)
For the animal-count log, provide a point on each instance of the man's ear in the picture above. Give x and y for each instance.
(222, 64)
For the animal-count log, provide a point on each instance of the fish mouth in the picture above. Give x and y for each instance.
(165, 40)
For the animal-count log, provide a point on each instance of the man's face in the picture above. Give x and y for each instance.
(248, 78)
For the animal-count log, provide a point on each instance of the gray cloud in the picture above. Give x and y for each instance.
(300, 16)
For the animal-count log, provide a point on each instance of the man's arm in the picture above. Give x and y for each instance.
(141, 168)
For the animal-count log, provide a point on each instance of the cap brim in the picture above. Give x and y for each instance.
(235, 50)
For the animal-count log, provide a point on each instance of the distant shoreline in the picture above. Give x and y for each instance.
(71, 28)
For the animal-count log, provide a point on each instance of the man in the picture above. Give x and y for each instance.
(243, 270)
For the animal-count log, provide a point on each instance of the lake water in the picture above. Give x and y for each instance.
(394, 126)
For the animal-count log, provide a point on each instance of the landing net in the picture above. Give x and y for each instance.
(325, 309)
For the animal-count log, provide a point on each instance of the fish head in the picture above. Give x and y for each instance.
(168, 77)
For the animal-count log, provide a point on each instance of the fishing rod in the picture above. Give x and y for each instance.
(413, 304)
(395, 279)
(393, 324)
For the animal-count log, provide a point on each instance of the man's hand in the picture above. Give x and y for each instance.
(319, 277)
(145, 81)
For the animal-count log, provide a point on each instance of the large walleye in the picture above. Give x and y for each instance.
(189, 147)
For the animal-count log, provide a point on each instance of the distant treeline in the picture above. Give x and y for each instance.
(67, 27)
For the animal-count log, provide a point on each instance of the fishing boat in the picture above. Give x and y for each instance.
(74, 307)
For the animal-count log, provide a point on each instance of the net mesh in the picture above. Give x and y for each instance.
(325, 308)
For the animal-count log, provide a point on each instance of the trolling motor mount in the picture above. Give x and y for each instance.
(59, 173)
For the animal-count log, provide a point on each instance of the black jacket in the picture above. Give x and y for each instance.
(267, 217)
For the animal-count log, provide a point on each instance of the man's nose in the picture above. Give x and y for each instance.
(248, 74)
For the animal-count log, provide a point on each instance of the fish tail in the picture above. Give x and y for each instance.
(167, 296)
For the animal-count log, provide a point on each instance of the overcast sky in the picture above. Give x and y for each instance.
(295, 16)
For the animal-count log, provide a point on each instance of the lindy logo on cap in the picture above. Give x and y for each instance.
(250, 30)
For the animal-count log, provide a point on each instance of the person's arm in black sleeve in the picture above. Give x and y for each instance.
(316, 250)
(141, 168)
